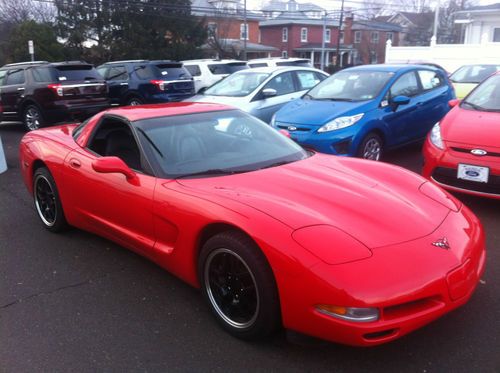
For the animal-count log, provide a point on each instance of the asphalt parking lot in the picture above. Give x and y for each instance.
(76, 302)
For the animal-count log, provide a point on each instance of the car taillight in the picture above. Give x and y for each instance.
(159, 83)
(57, 88)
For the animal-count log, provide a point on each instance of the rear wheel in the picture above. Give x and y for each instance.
(371, 147)
(47, 202)
(32, 118)
(134, 101)
(239, 286)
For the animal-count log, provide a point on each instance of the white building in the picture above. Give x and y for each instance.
(480, 23)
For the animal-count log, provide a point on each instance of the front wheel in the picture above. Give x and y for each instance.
(239, 285)
(32, 118)
(47, 202)
(371, 147)
(134, 101)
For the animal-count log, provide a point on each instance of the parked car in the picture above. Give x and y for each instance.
(279, 61)
(138, 82)
(41, 93)
(462, 152)
(343, 249)
(206, 72)
(466, 78)
(362, 111)
(262, 91)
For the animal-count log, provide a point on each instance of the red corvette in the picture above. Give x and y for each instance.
(348, 250)
(462, 153)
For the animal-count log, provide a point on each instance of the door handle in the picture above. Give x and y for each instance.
(20, 89)
(123, 83)
(75, 163)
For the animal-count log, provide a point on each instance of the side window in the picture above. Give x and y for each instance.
(144, 72)
(320, 77)
(114, 138)
(194, 70)
(406, 85)
(117, 73)
(430, 79)
(283, 84)
(42, 75)
(307, 79)
(102, 71)
(15, 77)
(2, 76)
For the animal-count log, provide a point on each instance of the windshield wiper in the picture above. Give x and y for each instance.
(213, 171)
(150, 141)
(474, 106)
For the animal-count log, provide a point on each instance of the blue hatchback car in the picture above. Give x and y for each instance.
(362, 111)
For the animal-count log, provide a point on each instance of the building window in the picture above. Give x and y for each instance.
(303, 34)
(357, 37)
(328, 35)
(212, 30)
(374, 37)
(373, 57)
(390, 36)
(496, 34)
(341, 38)
(244, 31)
(284, 54)
(260, 37)
(285, 34)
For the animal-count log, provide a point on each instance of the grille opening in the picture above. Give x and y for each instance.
(379, 335)
(405, 309)
(342, 147)
(448, 176)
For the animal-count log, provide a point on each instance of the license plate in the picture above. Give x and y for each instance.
(473, 173)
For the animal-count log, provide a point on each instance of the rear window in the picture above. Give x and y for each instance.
(171, 71)
(76, 72)
(260, 64)
(227, 68)
(194, 70)
(301, 63)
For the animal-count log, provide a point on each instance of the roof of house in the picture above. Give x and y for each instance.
(419, 20)
(490, 7)
(305, 22)
(225, 8)
(291, 5)
(376, 26)
(238, 44)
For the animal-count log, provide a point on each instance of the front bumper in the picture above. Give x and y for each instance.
(441, 166)
(411, 284)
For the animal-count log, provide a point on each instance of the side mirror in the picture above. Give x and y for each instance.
(454, 102)
(107, 165)
(269, 92)
(400, 100)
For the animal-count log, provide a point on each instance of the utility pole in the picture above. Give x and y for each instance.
(323, 42)
(245, 30)
(436, 21)
(337, 57)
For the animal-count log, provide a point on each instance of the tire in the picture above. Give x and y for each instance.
(47, 202)
(134, 101)
(371, 147)
(238, 285)
(32, 118)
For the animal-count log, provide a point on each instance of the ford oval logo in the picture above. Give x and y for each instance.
(292, 128)
(472, 173)
(478, 152)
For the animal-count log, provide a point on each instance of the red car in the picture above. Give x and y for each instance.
(462, 153)
(347, 250)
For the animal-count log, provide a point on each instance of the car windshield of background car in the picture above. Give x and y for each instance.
(224, 141)
(350, 86)
(237, 85)
(485, 97)
(473, 74)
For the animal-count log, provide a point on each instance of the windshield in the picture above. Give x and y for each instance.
(485, 97)
(350, 86)
(237, 85)
(473, 74)
(214, 143)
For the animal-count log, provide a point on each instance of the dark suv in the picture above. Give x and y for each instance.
(41, 93)
(141, 81)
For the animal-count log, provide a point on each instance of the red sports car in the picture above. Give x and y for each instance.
(462, 152)
(348, 250)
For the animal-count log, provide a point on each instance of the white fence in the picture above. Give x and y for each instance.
(450, 56)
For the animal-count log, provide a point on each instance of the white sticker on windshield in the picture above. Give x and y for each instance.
(62, 78)
(164, 73)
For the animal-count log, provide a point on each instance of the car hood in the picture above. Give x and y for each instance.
(225, 100)
(477, 128)
(463, 89)
(318, 113)
(377, 203)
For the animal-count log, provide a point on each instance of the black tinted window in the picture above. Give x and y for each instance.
(76, 72)
(15, 77)
(42, 74)
(194, 70)
(3, 73)
(171, 71)
(283, 84)
(117, 73)
(406, 85)
(229, 68)
(302, 63)
(260, 64)
(145, 72)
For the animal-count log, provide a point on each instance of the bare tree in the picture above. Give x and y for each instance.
(219, 25)
(18, 11)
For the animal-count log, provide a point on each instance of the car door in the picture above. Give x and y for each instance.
(117, 78)
(432, 102)
(108, 203)
(286, 90)
(12, 91)
(400, 119)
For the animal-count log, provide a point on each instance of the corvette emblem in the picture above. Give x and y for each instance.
(479, 152)
(442, 243)
(292, 128)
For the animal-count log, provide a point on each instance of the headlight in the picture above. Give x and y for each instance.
(273, 120)
(349, 313)
(341, 122)
(436, 136)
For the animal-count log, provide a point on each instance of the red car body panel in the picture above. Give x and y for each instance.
(463, 130)
(388, 217)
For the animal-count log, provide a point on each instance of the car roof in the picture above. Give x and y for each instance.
(135, 113)
(279, 59)
(140, 61)
(213, 61)
(390, 67)
(273, 69)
